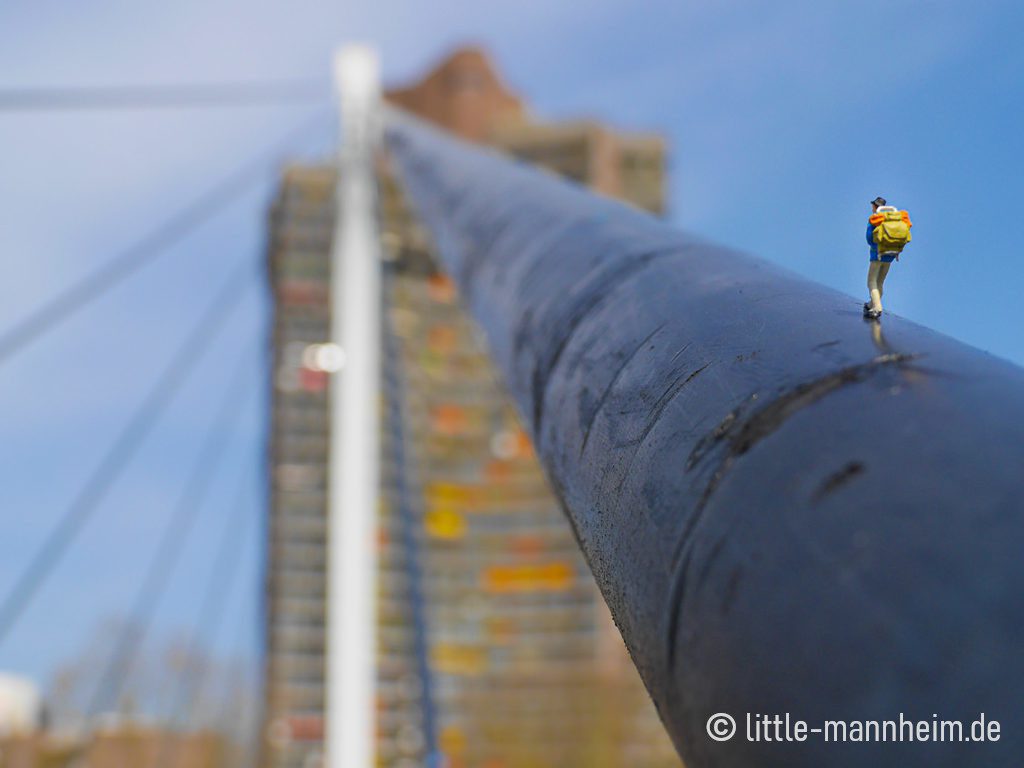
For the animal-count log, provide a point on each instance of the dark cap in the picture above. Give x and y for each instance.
(878, 201)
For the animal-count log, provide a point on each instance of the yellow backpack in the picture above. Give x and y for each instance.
(893, 233)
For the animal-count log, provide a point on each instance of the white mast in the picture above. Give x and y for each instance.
(354, 429)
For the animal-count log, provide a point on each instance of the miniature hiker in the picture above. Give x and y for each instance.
(888, 233)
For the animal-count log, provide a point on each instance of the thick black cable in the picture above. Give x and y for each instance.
(757, 545)
(172, 96)
(179, 525)
(101, 280)
(181, 364)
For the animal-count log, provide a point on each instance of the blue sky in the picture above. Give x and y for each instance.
(784, 119)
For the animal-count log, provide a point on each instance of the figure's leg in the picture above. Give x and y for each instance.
(874, 268)
(883, 270)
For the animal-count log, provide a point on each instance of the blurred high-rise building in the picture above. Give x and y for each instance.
(525, 664)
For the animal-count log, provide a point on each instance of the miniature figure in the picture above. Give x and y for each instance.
(888, 233)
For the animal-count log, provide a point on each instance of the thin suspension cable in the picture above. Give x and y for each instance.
(210, 617)
(249, 734)
(179, 525)
(404, 504)
(144, 252)
(82, 508)
(171, 96)
(227, 715)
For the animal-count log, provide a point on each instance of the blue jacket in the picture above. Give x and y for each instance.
(888, 258)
